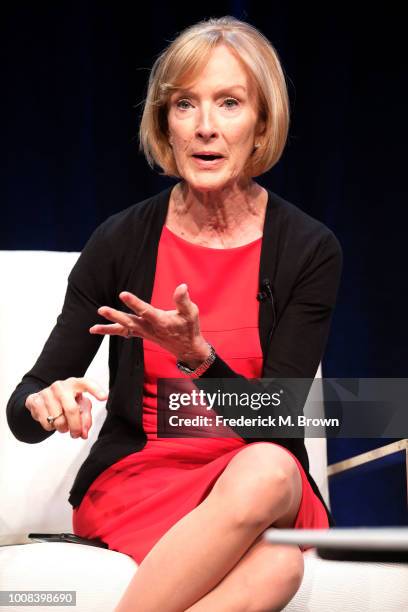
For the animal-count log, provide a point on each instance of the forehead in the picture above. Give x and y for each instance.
(222, 62)
(220, 69)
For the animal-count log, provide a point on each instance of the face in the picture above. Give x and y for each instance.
(217, 114)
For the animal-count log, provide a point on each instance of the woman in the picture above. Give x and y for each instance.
(215, 277)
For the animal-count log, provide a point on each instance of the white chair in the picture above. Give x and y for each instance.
(35, 478)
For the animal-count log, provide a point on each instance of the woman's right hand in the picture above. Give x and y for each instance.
(65, 398)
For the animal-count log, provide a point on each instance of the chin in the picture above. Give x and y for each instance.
(208, 183)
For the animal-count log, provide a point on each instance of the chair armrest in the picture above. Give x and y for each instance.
(363, 458)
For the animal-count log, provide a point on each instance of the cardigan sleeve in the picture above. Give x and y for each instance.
(70, 347)
(297, 344)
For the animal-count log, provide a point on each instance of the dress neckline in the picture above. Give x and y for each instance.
(200, 246)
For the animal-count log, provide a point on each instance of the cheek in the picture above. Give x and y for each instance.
(181, 149)
(180, 132)
(181, 141)
(242, 134)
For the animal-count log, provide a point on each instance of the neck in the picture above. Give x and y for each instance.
(218, 213)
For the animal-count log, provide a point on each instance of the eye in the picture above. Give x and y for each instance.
(231, 100)
(182, 101)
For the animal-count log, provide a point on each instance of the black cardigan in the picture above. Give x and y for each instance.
(301, 261)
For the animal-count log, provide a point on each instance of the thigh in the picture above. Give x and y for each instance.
(263, 480)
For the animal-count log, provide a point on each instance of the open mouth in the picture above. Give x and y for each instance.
(208, 157)
(208, 161)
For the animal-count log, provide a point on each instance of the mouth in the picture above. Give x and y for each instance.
(207, 161)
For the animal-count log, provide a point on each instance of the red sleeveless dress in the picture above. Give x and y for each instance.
(134, 502)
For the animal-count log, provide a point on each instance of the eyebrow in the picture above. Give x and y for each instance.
(223, 90)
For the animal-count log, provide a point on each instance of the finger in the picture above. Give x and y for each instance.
(85, 409)
(52, 408)
(109, 330)
(117, 329)
(61, 424)
(181, 297)
(139, 307)
(63, 428)
(39, 411)
(64, 396)
(117, 316)
(91, 386)
(36, 405)
(33, 403)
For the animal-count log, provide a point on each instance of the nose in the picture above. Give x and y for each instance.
(206, 127)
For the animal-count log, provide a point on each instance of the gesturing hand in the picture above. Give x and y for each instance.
(65, 401)
(177, 331)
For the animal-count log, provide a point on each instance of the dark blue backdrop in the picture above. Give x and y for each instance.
(75, 79)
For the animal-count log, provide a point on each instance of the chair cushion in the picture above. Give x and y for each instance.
(350, 586)
(99, 576)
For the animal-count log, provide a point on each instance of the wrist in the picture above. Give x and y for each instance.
(193, 369)
(196, 356)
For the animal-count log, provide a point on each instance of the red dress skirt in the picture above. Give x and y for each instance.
(134, 502)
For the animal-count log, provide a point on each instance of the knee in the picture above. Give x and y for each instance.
(278, 580)
(265, 492)
(266, 498)
(291, 558)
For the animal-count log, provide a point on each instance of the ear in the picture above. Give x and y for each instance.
(261, 127)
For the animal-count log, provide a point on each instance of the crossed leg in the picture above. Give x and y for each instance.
(214, 557)
(264, 580)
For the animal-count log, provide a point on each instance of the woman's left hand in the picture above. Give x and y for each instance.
(177, 331)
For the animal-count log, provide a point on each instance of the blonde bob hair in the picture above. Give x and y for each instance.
(182, 62)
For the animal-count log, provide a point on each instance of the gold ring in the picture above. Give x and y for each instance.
(51, 419)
